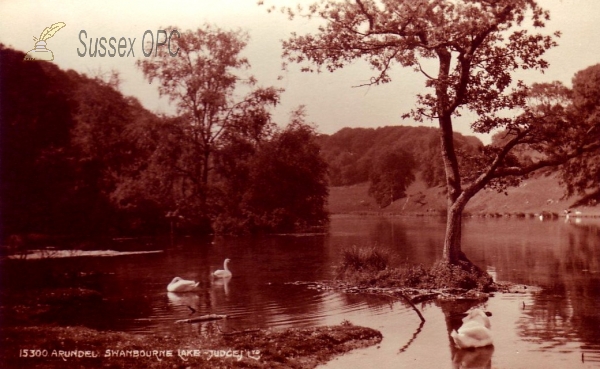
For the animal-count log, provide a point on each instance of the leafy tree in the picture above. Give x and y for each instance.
(284, 183)
(476, 45)
(392, 173)
(203, 81)
(583, 173)
(233, 165)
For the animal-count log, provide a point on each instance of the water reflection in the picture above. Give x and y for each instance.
(222, 283)
(564, 316)
(480, 358)
(187, 299)
(412, 339)
(561, 319)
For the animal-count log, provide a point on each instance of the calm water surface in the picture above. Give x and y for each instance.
(555, 326)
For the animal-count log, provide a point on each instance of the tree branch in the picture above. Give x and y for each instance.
(425, 73)
(520, 171)
(488, 175)
(465, 58)
(364, 11)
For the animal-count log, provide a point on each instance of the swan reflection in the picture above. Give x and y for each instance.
(191, 300)
(224, 282)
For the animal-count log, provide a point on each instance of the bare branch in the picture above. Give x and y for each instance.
(425, 73)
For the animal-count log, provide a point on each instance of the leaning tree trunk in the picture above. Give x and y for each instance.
(452, 246)
(455, 206)
(452, 240)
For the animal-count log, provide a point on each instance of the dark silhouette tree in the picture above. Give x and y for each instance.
(468, 52)
(35, 123)
(67, 143)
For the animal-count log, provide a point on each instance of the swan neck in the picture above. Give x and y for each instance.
(225, 265)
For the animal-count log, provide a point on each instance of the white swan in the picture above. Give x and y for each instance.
(475, 331)
(225, 272)
(182, 285)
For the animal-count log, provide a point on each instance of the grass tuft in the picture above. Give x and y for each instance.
(359, 259)
(370, 267)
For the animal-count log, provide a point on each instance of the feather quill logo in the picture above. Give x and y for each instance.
(40, 52)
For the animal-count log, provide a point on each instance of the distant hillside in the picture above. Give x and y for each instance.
(540, 193)
(350, 152)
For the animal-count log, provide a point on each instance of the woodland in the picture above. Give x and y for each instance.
(79, 159)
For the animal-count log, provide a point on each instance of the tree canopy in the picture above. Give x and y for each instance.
(475, 47)
(80, 159)
(203, 83)
(583, 173)
(351, 153)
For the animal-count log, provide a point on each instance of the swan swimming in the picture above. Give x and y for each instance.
(474, 332)
(225, 272)
(182, 285)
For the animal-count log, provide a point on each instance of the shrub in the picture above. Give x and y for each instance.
(362, 268)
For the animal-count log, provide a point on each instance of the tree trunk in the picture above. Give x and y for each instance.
(457, 199)
(455, 202)
(452, 240)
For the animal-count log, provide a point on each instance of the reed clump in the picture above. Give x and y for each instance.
(370, 267)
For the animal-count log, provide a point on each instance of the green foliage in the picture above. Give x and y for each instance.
(391, 174)
(351, 152)
(281, 183)
(80, 158)
(583, 173)
(204, 83)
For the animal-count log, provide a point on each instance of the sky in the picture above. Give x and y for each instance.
(330, 99)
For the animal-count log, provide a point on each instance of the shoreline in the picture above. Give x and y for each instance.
(47, 346)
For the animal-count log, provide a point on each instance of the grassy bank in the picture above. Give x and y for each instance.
(31, 336)
(536, 195)
(60, 347)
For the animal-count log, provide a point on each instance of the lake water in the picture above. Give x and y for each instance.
(554, 326)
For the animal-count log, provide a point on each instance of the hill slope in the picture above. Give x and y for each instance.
(541, 193)
(351, 152)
